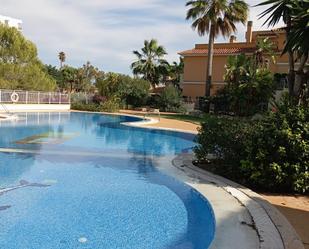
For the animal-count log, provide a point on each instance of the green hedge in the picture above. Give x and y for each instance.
(111, 105)
(271, 154)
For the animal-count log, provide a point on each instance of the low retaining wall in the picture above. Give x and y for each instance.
(34, 107)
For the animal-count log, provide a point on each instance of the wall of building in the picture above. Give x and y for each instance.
(12, 22)
(194, 79)
(195, 60)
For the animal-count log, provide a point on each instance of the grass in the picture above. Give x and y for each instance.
(183, 117)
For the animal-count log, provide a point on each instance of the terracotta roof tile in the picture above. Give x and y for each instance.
(218, 51)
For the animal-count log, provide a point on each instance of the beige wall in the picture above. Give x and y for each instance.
(194, 79)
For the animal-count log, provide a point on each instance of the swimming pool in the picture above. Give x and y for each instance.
(77, 180)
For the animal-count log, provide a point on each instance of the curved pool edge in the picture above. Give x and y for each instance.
(141, 124)
(272, 228)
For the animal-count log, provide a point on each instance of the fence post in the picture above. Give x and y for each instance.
(49, 97)
(0, 96)
(38, 97)
(26, 97)
(59, 98)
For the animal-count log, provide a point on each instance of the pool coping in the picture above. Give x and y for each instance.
(273, 229)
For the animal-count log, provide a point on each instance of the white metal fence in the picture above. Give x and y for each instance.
(31, 97)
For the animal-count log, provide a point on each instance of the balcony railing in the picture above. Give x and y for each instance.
(31, 97)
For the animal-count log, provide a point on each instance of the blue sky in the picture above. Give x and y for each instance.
(105, 32)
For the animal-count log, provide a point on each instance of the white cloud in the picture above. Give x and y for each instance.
(105, 32)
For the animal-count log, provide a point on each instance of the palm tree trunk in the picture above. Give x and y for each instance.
(299, 77)
(210, 60)
(209, 66)
(291, 75)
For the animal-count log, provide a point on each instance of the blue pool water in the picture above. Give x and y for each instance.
(74, 180)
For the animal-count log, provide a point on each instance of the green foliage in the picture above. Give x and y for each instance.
(73, 79)
(207, 13)
(15, 48)
(277, 151)
(110, 105)
(20, 67)
(270, 154)
(27, 77)
(224, 138)
(56, 74)
(249, 87)
(299, 35)
(112, 84)
(150, 62)
(171, 100)
(137, 92)
(175, 71)
(129, 91)
(91, 107)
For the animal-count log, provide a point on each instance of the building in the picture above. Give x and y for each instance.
(12, 22)
(195, 60)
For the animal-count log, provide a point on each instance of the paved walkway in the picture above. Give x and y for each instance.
(164, 122)
(296, 210)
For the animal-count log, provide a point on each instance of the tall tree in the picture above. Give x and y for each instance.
(282, 10)
(298, 43)
(150, 62)
(20, 67)
(62, 58)
(216, 17)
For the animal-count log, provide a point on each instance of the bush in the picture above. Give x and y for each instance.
(85, 107)
(136, 93)
(223, 139)
(129, 91)
(171, 100)
(277, 151)
(271, 154)
(110, 105)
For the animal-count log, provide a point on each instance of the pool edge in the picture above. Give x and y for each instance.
(273, 229)
(276, 226)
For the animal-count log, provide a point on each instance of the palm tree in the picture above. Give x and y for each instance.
(216, 17)
(264, 47)
(282, 10)
(175, 70)
(298, 43)
(62, 58)
(150, 62)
